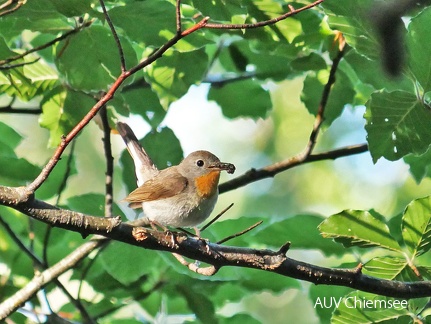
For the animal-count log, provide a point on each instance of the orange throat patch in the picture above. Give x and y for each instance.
(207, 185)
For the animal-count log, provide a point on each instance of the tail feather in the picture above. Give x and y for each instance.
(145, 168)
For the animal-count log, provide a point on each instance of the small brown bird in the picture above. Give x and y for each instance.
(180, 196)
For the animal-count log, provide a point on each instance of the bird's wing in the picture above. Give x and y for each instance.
(161, 187)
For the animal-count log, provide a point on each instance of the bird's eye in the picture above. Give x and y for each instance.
(200, 163)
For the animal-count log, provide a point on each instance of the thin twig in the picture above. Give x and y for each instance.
(50, 43)
(196, 27)
(116, 38)
(216, 217)
(60, 191)
(271, 170)
(109, 162)
(239, 233)
(159, 284)
(292, 11)
(178, 16)
(19, 4)
(320, 116)
(29, 111)
(13, 66)
(43, 266)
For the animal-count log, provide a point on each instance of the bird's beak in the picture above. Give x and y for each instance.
(228, 167)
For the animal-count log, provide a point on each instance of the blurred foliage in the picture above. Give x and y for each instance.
(273, 76)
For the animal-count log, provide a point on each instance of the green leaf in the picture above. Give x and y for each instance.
(369, 73)
(223, 11)
(242, 99)
(171, 154)
(91, 204)
(62, 111)
(199, 303)
(419, 46)
(324, 300)
(150, 22)
(378, 309)
(16, 171)
(73, 8)
(416, 226)
(239, 318)
(127, 263)
(172, 75)
(40, 16)
(391, 268)
(263, 63)
(51, 186)
(9, 137)
(102, 67)
(312, 62)
(293, 229)
(144, 102)
(397, 124)
(358, 228)
(28, 81)
(419, 165)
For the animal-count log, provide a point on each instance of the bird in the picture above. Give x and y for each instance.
(183, 195)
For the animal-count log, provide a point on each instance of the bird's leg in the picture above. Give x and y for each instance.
(204, 241)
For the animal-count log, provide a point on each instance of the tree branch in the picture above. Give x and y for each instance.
(217, 256)
(273, 21)
(271, 170)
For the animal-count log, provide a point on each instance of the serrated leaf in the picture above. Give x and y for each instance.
(352, 311)
(416, 226)
(397, 124)
(358, 228)
(242, 99)
(388, 268)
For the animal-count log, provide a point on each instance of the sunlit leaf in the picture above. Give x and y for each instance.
(352, 309)
(397, 124)
(358, 228)
(416, 226)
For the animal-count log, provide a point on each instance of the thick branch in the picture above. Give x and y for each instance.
(217, 255)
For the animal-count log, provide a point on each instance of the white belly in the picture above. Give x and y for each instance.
(184, 212)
